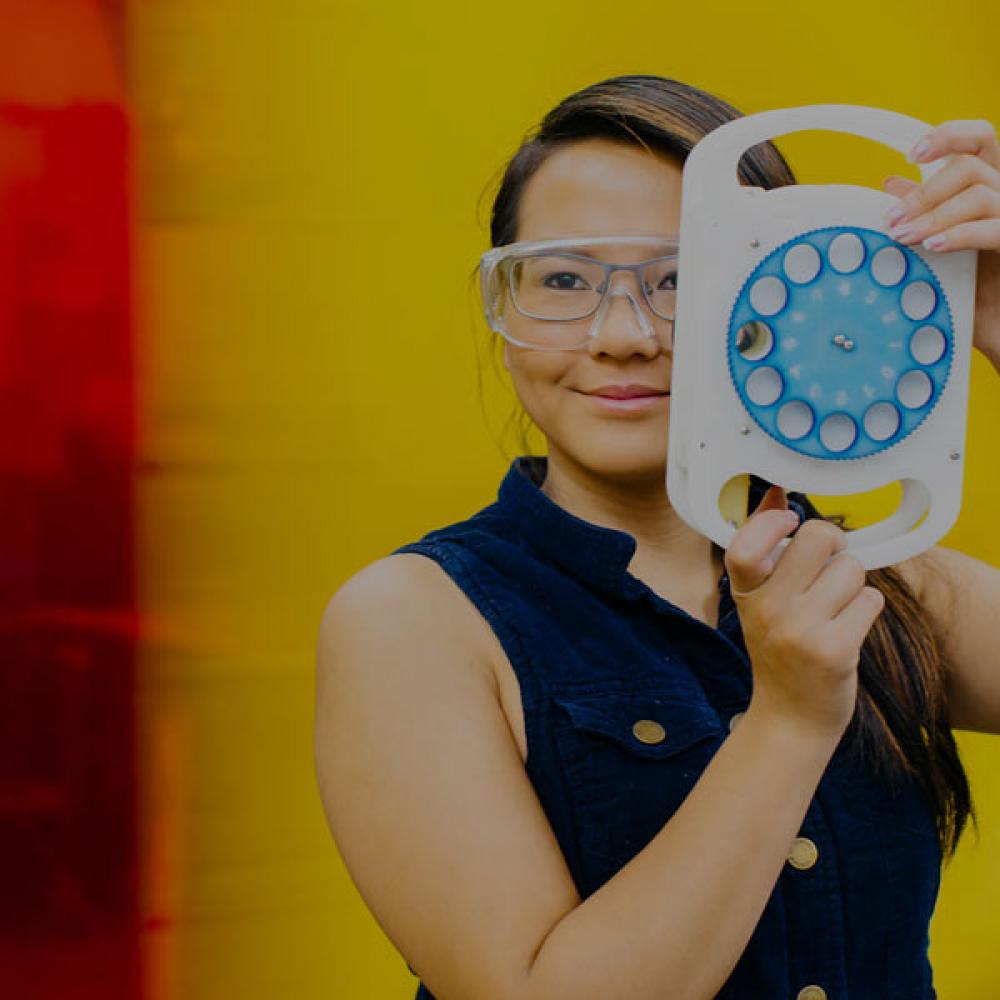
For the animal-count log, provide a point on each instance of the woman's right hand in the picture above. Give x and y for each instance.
(805, 612)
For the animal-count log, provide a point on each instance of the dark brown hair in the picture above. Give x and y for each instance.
(900, 723)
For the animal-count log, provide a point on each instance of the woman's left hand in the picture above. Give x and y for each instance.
(958, 208)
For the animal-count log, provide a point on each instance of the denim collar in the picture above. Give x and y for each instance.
(596, 555)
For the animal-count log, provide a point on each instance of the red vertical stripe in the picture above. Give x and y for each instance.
(68, 906)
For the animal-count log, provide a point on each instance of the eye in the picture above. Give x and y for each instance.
(564, 280)
(661, 275)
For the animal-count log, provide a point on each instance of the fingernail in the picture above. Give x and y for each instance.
(919, 151)
(936, 242)
(895, 214)
(901, 233)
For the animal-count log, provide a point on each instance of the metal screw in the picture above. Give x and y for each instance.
(701, 444)
(838, 338)
(755, 243)
(848, 345)
(955, 456)
(744, 430)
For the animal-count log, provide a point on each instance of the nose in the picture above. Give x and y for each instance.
(626, 329)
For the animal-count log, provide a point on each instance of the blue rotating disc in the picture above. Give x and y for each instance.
(840, 342)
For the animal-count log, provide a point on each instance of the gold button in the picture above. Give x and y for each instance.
(649, 731)
(811, 993)
(803, 854)
(735, 719)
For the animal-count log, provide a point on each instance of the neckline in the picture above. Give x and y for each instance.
(596, 555)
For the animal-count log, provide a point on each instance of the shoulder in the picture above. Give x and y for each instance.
(913, 571)
(959, 597)
(932, 576)
(401, 612)
(401, 580)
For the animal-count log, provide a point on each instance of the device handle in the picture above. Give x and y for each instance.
(713, 162)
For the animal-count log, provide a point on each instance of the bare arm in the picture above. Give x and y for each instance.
(423, 785)
(675, 920)
(961, 596)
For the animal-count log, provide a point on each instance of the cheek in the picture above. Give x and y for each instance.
(540, 380)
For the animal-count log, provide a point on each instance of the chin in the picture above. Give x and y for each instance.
(617, 445)
(624, 464)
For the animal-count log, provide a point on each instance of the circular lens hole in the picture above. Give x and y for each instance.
(801, 263)
(914, 389)
(795, 419)
(754, 340)
(845, 253)
(927, 345)
(838, 432)
(764, 386)
(919, 300)
(889, 266)
(768, 296)
(881, 421)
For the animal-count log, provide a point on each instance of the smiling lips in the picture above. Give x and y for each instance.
(631, 391)
(626, 400)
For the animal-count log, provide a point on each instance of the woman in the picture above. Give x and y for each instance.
(535, 737)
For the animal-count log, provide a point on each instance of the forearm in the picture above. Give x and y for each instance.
(674, 921)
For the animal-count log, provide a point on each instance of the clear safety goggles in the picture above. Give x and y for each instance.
(559, 283)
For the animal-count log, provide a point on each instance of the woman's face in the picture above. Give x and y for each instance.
(597, 187)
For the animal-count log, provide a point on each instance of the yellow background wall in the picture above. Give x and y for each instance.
(309, 176)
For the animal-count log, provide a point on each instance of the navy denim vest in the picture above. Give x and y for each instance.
(595, 650)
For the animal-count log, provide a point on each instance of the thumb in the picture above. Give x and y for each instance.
(757, 545)
(774, 499)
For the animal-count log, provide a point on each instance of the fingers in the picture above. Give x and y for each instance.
(958, 174)
(977, 137)
(984, 234)
(898, 186)
(815, 544)
(958, 207)
(858, 616)
(838, 583)
(965, 190)
(751, 555)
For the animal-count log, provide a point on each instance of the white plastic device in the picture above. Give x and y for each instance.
(810, 348)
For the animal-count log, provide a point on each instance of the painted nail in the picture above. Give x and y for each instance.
(901, 233)
(896, 214)
(920, 150)
(935, 242)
